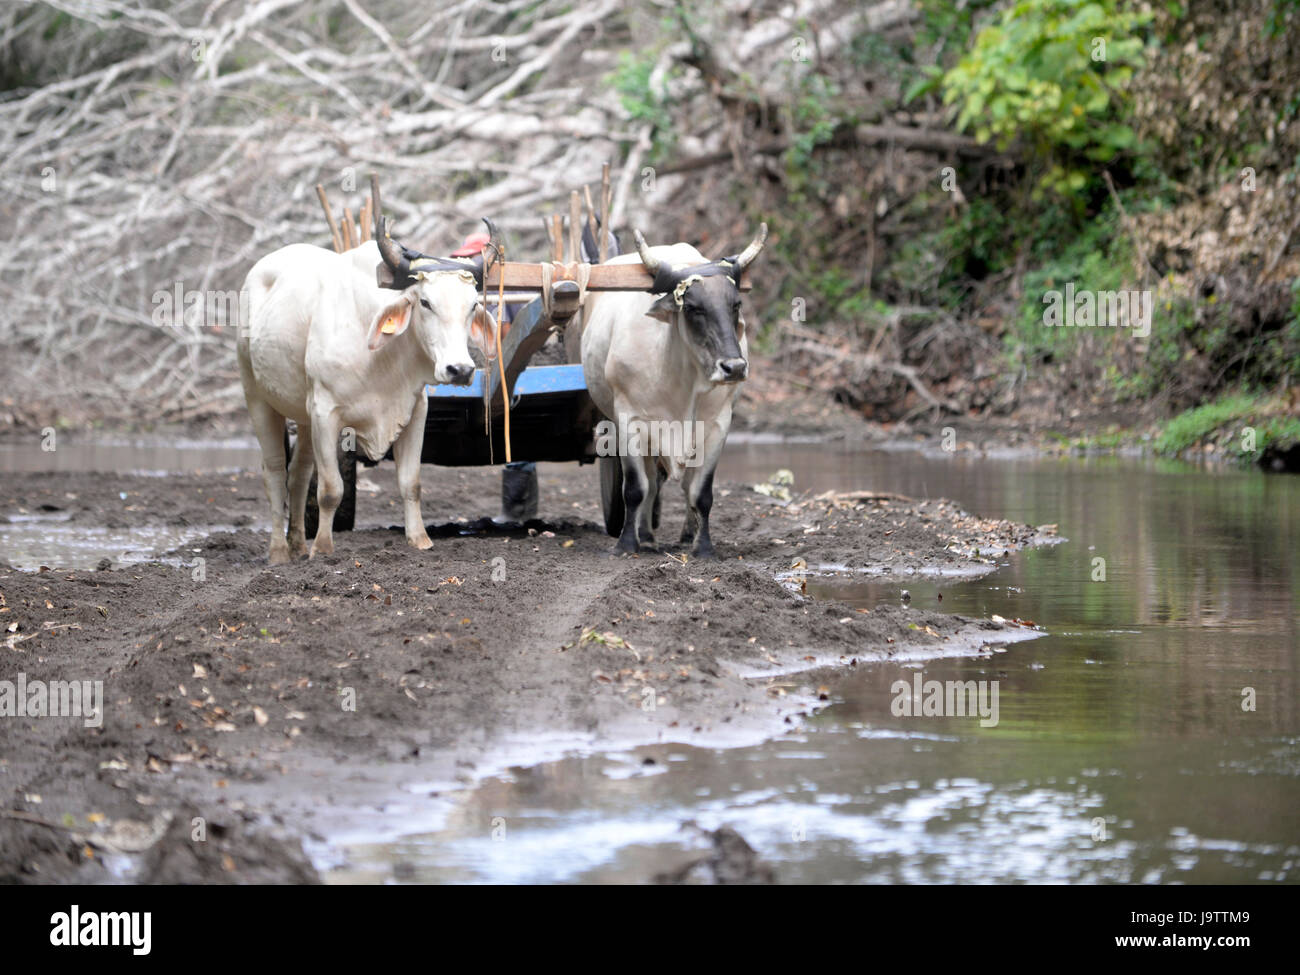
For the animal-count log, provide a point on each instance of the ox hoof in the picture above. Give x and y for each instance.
(297, 549)
(319, 547)
(705, 552)
(280, 554)
(421, 542)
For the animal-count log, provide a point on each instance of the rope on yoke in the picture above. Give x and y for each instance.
(547, 270)
(575, 325)
(501, 362)
(497, 256)
(487, 362)
(580, 273)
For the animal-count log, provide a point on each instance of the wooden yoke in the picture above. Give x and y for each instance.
(536, 320)
(601, 277)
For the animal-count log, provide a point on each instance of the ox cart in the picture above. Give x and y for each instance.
(514, 411)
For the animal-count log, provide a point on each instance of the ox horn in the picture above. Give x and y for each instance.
(652, 263)
(752, 251)
(494, 240)
(389, 249)
(377, 209)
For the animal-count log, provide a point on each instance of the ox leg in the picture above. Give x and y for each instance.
(699, 495)
(268, 425)
(649, 515)
(300, 469)
(692, 523)
(635, 486)
(660, 477)
(406, 452)
(325, 429)
(700, 505)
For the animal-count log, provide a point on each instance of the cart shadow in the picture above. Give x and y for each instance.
(490, 528)
(539, 528)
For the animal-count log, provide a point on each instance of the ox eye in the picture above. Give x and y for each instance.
(425, 303)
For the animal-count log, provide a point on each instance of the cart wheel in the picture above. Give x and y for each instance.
(611, 494)
(346, 515)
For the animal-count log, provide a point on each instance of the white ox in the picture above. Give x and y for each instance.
(669, 365)
(329, 348)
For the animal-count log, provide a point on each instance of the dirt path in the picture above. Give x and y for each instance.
(254, 705)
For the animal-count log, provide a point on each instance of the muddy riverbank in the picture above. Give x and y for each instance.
(247, 707)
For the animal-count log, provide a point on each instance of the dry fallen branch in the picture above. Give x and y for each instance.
(192, 138)
(187, 140)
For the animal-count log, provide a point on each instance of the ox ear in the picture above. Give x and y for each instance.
(391, 322)
(483, 332)
(664, 309)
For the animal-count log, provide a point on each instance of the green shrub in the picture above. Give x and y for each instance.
(1227, 423)
(1194, 426)
(815, 116)
(1051, 74)
(1097, 258)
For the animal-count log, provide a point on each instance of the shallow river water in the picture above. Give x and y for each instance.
(1122, 749)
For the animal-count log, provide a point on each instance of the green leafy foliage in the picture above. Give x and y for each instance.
(1052, 74)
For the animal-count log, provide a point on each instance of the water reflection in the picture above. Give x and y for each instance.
(158, 456)
(30, 541)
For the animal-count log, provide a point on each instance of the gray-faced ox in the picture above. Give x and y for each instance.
(670, 364)
(349, 340)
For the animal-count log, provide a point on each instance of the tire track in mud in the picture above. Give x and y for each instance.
(566, 615)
